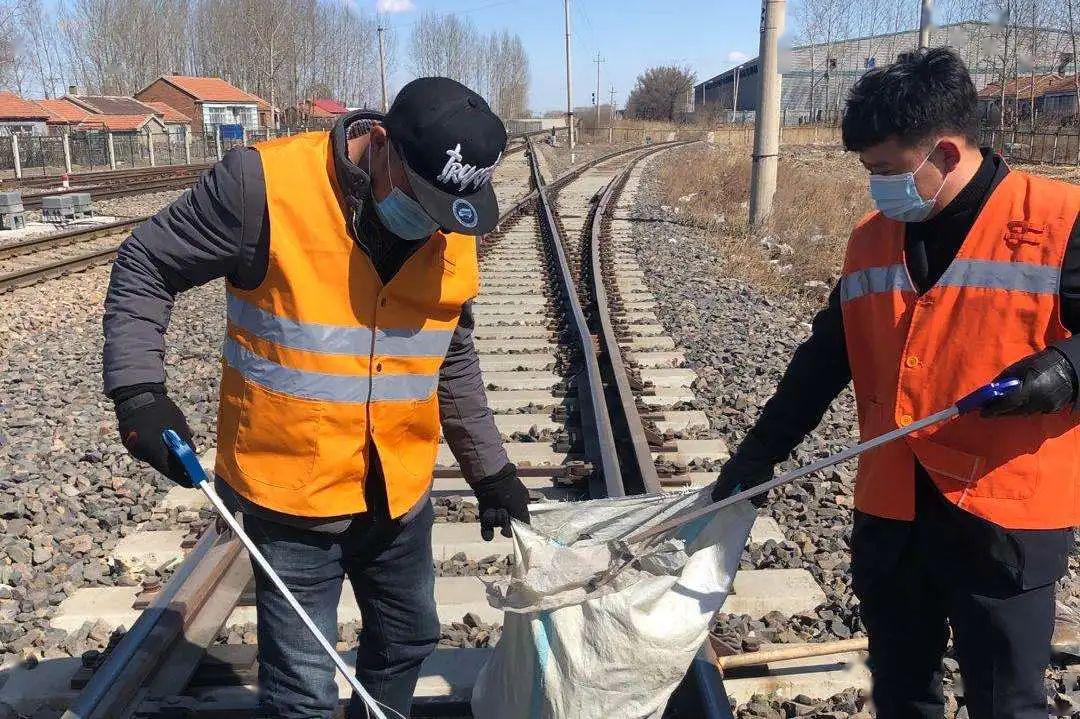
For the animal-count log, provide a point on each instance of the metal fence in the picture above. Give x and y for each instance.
(1052, 147)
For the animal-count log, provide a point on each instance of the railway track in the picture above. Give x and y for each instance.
(590, 398)
(43, 258)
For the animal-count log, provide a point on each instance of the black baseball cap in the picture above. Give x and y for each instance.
(449, 141)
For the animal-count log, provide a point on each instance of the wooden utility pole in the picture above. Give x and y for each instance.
(569, 82)
(926, 9)
(767, 125)
(598, 60)
(382, 67)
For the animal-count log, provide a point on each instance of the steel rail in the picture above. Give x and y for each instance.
(635, 442)
(33, 275)
(114, 687)
(70, 237)
(600, 442)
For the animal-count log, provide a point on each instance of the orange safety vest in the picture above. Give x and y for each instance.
(912, 355)
(322, 356)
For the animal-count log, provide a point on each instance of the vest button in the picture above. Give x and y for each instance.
(378, 366)
(382, 302)
(905, 420)
(912, 361)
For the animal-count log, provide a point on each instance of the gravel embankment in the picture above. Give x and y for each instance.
(739, 341)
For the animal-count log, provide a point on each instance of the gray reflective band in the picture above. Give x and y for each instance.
(875, 279)
(403, 386)
(412, 343)
(334, 339)
(1018, 276)
(323, 386)
(298, 335)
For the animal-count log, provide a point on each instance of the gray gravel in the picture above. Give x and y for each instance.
(68, 490)
(739, 341)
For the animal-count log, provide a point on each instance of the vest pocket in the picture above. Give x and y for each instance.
(416, 438)
(277, 437)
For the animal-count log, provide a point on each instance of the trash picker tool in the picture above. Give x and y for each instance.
(183, 452)
(976, 400)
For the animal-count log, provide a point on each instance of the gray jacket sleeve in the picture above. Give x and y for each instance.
(468, 423)
(213, 231)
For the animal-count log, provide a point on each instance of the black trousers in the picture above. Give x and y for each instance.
(994, 587)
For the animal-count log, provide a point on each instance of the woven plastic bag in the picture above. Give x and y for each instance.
(594, 628)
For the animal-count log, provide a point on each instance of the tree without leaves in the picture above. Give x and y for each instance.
(660, 93)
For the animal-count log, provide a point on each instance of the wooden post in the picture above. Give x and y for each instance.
(15, 155)
(67, 152)
(150, 147)
(111, 146)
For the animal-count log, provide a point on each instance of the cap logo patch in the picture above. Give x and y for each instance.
(464, 212)
(457, 172)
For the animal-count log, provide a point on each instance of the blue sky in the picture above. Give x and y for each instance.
(631, 36)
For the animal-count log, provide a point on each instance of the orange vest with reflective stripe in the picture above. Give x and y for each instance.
(912, 355)
(323, 358)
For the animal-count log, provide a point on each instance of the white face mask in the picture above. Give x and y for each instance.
(898, 198)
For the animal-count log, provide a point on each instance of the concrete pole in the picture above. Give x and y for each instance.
(217, 141)
(925, 11)
(150, 147)
(735, 93)
(67, 152)
(611, 116)
(110, 145)
(569, 81)
(598, 61)
(382, 68)
(15, 155)
(767, 125)
(187, 145)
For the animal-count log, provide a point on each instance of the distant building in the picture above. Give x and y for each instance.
(1055, 98)
(314, 113)
(19, 116)
(816, 78)
(107, 113)
(208, 101)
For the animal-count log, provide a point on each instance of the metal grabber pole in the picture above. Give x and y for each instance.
(973, 401)
(183, 452)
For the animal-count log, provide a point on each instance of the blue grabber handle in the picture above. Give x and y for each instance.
(985, 394)
(183, 451)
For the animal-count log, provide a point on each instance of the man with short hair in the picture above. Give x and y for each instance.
(351, 265)
(969, 271)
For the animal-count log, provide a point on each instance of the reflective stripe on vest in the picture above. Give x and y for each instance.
(1018, 276)
(323, 386)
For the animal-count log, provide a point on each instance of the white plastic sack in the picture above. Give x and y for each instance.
(587, 634)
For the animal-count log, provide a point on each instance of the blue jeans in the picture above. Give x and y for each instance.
(390, 567)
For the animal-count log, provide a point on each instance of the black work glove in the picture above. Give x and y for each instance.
(143, 412)
(1047, 384)
(739, 474)
(502, 497)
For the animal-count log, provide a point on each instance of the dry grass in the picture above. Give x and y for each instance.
(821, 192)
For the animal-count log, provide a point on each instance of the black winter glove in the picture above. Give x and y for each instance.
(739, 474)
(502, 497)
(1047, 384)
(143, 412)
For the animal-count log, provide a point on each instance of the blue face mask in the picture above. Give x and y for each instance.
(401, 214)
(898, 197)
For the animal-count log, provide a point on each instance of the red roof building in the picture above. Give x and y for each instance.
(21, 116)
(208, 101)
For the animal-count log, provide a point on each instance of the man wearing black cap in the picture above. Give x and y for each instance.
(343, 252)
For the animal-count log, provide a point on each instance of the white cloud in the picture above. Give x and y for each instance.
(393, 6)
(735, 56)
